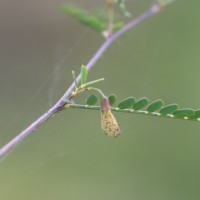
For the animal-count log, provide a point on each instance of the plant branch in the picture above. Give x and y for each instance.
(141, 112)
(59, 106)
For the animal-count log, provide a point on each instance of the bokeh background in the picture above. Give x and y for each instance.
(69, 157)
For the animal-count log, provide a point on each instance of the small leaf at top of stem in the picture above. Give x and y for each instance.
(84, 74)
(74, 78)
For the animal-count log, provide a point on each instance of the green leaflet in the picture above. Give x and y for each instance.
(127, 103)
(169, 109)
(83, 17)
(197, 114)
(156, 105)
(112, 99)
(182, 113)
(91, 100)
(143, 102)
(84, 73)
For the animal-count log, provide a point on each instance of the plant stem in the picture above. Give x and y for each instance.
(98, 90)
(91, 82)
(144, 16)
(62, 102)
(141, 112)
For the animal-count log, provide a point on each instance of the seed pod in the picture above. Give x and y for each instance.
(109, 124)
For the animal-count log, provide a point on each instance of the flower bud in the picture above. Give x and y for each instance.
(109, 124)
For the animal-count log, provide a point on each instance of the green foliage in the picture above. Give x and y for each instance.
(130, 105)
(169, 109)
(84, 86)
(143, 102)
(127, 103)
(112, 99)
(155, 108)
(83, 17)
(182, 113)
(91, 100)
(96, 20)
(84, 73)
(156, 105)
(197, 114)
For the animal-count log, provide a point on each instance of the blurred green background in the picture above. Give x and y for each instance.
(69, 157)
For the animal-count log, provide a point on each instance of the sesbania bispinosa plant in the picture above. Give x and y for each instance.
(110, 25)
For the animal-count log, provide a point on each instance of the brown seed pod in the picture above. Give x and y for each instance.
(109, 124)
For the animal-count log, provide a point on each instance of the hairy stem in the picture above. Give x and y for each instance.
(62, 102)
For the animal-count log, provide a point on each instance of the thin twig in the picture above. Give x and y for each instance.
(132, 111)
(60, 104)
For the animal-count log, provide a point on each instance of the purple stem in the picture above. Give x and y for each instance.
(59, 105)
